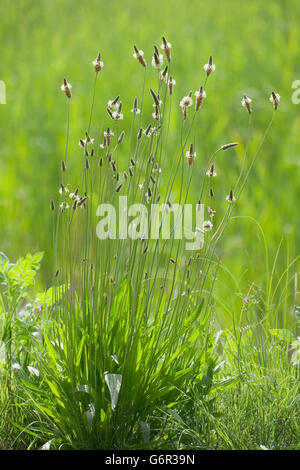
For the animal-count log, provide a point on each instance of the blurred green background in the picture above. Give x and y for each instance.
(256, 49)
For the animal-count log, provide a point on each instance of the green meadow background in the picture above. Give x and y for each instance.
(256, 49)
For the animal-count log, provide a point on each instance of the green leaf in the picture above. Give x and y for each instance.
(114, 382)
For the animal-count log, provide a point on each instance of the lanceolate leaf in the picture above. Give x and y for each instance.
(114, 382)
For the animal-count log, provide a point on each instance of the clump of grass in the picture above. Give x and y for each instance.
(132, 329)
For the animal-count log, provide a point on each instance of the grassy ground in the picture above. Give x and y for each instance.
(255, 48)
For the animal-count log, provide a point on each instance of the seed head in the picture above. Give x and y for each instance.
(157, 59)
(230, 198)
(121, 137)
(97, 63)
(52, 205)
(229, 146)
(150, 158)
(246, 102)
(104, 144)
(211, 172)
(108, 134)
(157, 114)
(155, 97)
(117, 116)
(139, 55)
(135, 109)
(82, 201)
(63, 189)
(112, 104)
(166, 47)
(211, 212)
(66, 87)
(185, 103)
(64, 205)
(207, 226)
(147, 131)
(171, 83)
(200, 95)
(275, 99)
(74, 196)
(87, 141)
(209, 67)
(191, 155)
